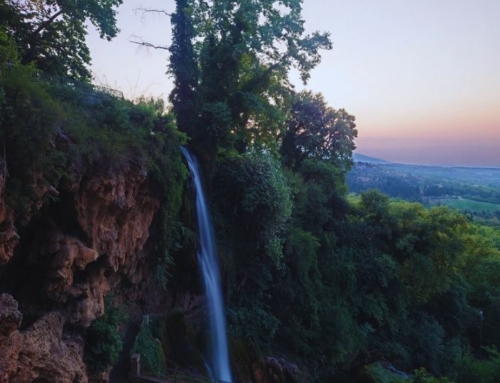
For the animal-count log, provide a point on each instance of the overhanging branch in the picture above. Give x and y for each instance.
(137, 40)
(147, 10)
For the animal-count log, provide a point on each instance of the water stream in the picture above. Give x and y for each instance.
(207, 259)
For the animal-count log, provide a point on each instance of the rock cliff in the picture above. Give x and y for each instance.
(71, 247)
(57, 265)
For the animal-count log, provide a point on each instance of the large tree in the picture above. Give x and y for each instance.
(315, 130)
(51, 33)
(244, 50)
(183, 66)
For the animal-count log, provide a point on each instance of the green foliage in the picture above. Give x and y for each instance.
(426, 243)
(334, 282)
(27, 131)
(151, 351)
(253, 207)
(167, 338)
(377, 373)
(52, 33)
(479, 371)
(475, 192)
(50, 126)
(421, 376)
(359, 279)
(168, 170)
(103, 341)
(317, 131)
(258, 28)
(183, 67)
(254, 323)
(253, 185)
(178, 341)
(230, 62)
(9, 55)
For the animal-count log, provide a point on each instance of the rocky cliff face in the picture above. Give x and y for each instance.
(69, 249)
(8, 234)
(57, 266)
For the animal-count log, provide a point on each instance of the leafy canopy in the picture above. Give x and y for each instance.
(315, 130)
(238, 58)
(51, 33)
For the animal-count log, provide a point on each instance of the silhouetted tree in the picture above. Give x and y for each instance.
(314, 130)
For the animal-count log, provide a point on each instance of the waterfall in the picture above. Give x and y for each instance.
(207, 258)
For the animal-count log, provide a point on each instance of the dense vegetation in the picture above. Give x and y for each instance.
(335, 283)
(359, 281)
(473, 191)
(55, 130)
(103, 340)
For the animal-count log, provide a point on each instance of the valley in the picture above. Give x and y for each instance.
(474, 191)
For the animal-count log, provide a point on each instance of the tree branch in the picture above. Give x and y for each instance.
(29, 55)
(44, 25)
(147, 10)
(146, 44)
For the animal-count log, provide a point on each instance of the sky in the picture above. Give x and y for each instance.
(422, 77)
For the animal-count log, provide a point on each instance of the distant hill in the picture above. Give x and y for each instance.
(357, 157)
(474, 191)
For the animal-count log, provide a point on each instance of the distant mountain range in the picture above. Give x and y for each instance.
(357, 157)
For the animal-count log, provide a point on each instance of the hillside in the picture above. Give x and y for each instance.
(358, 157)
(434, 185)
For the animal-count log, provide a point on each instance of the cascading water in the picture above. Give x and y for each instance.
(207, 258)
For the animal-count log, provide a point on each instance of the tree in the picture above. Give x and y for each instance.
(51, 33)
(244, 50)
(183, 66)
(314, 130)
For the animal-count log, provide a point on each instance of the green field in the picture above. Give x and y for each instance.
(465, 204)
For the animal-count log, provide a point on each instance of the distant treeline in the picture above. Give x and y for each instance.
(413, 183)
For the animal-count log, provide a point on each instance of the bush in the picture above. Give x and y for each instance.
(151, 351)
(480, 371)
(254, 188)
(30, 119)
(103, 342)
(49, 124)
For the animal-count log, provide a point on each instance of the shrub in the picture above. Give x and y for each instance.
(151, 351)
(102, 339)
(480, 371)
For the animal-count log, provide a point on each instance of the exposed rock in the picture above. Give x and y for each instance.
(42, 191)
(75, 267)
(10, 317)
(101, 377)
(42, 352)
(115, 212)
(68, 254)
(89, 299)
(276, 370)
(8, 240)
(8, 233)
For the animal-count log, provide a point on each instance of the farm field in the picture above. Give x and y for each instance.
(473, 191)
(465, 204)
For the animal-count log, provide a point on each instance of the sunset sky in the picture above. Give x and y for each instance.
(422, 77)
